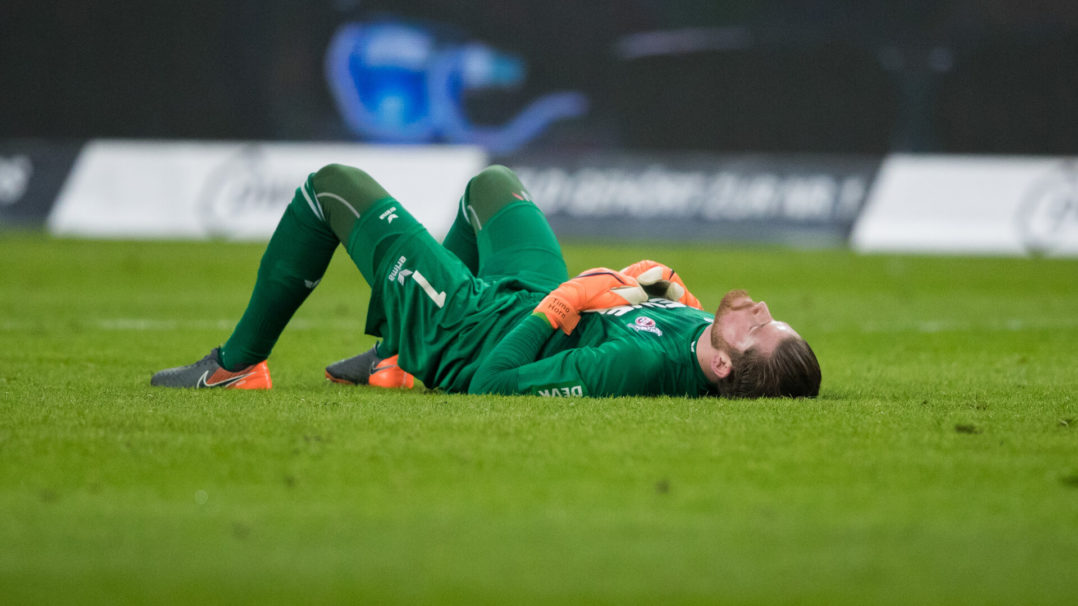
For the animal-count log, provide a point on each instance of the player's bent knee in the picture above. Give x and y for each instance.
(350, 183)
(493, 188)
(340, 178)
(495, 176)
(496, 171)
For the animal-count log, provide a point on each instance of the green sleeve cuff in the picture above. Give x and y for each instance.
(546, 320)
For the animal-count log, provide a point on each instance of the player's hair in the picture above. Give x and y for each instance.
(791, 371)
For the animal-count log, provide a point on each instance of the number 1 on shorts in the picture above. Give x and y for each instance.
(437, 297)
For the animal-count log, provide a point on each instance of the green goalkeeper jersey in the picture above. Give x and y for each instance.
(646, 349)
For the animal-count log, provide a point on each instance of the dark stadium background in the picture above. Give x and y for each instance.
(854, 76)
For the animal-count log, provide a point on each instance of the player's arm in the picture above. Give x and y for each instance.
(598, 288)
(500, 371)
(512, 367)
(659, 280)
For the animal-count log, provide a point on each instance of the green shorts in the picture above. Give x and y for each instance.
(429, 308)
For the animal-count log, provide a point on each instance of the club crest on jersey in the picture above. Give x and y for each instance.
(645, 324)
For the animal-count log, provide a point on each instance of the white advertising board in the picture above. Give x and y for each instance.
(238, 190)
(972, 205)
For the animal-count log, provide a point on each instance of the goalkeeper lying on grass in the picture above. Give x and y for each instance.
(492, 308)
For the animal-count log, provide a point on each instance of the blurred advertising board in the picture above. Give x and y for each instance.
(238, 190)
(972, 205)
(31, 173)
(798, 200)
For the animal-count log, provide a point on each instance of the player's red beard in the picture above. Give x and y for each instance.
(732, 301)
(735, 299)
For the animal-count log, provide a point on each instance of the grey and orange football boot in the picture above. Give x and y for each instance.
(368, 368)
(208, 372)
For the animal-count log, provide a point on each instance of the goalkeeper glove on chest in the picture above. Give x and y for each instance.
(594, 289)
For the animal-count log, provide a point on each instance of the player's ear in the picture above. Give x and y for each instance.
(721, 364)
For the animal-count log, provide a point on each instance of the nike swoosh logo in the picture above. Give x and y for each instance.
(223, 383)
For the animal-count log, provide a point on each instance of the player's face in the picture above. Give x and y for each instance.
(742, 324)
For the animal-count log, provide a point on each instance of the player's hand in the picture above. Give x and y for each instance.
(598, 288)
(659, 280)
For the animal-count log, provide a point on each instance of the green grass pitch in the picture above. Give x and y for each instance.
(939, 465)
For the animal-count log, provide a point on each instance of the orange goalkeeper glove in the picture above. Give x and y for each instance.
(597, 288)
(659, 280)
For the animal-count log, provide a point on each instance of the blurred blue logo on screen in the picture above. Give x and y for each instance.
(395, 83)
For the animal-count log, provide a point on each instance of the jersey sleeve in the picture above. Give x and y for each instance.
(613, 368)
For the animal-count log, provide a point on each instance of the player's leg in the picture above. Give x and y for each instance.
(322, 213)
(344, 194)
(292, 265)
(508, 233)
(374, 368)
(486, 194)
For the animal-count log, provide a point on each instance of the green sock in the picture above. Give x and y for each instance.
(486, 194)
(461, 241)
(293, 264)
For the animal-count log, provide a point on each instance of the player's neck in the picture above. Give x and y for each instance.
(704, 354)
